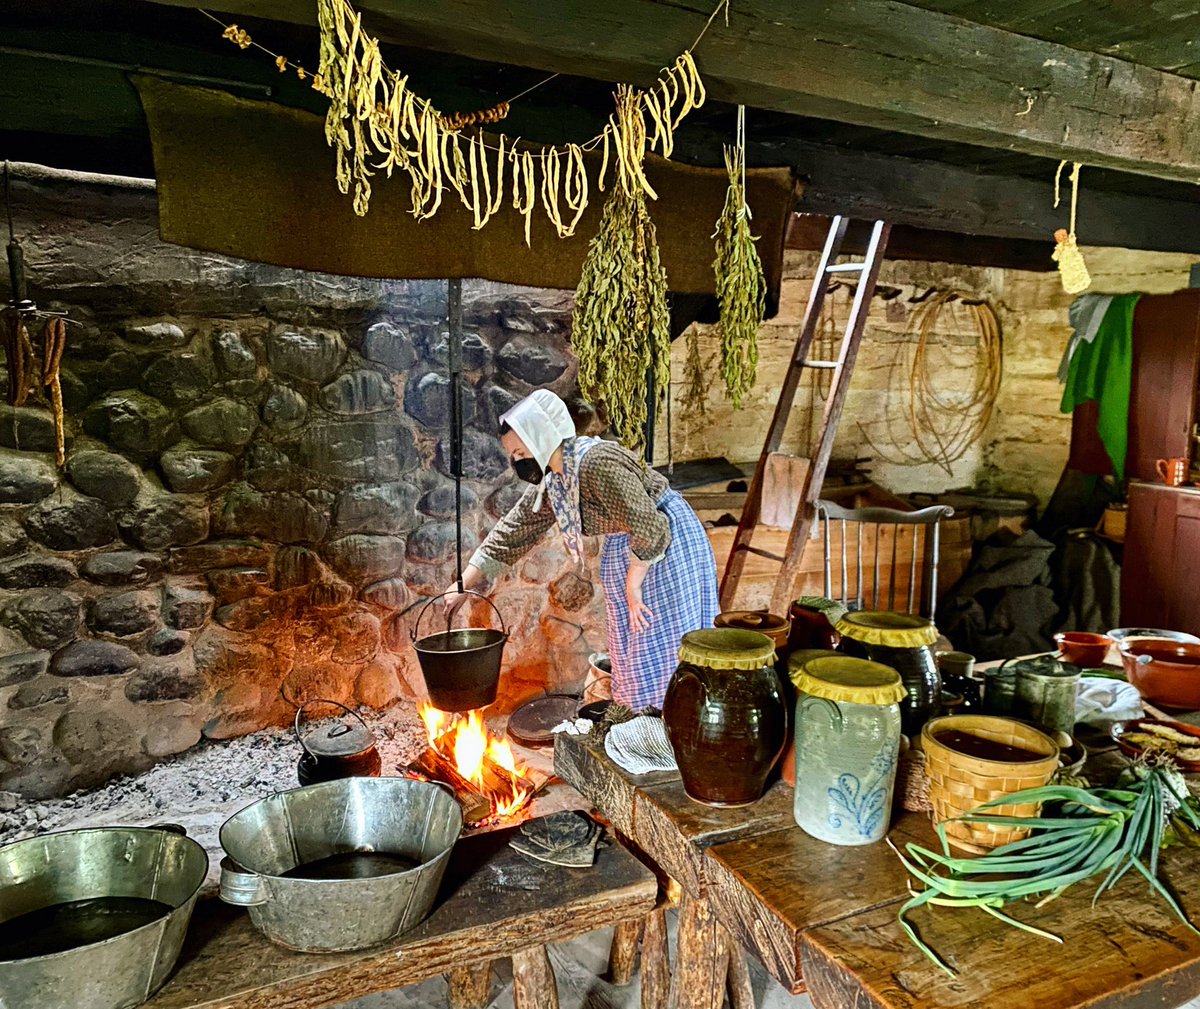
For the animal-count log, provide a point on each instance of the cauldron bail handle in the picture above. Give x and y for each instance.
(466, 592)
(336, 704)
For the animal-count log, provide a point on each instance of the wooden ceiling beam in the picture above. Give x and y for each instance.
(876, 63)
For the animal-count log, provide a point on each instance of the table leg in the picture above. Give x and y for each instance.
(623, 954)
(471, 986)
(534, 986)
(698, 980)
(656, 961)
(741, 992)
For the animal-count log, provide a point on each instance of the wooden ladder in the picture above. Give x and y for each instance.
(842, 368)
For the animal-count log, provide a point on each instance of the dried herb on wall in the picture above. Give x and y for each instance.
(741, 285)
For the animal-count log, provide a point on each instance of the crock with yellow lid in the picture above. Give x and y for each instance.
(725, 715)
(905, 642)
(847, 741)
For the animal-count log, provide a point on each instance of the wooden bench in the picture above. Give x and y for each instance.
(494, 903)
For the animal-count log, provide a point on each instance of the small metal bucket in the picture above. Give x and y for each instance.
(417, 820)
(462, 666)
(158, 863)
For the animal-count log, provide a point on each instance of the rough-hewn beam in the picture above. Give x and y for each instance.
(876, 63)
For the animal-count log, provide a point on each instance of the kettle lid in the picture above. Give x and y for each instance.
(341, 739)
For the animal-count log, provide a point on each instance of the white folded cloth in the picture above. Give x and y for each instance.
(1101, 700)
(640, 745)
(574, 727)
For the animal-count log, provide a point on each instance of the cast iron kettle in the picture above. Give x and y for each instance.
(344, 750)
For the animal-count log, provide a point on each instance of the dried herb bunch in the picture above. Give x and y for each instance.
(740, 282)
(621, 327)
(695, 383)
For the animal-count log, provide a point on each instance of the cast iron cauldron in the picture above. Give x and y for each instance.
(341, 751)
(461, 666)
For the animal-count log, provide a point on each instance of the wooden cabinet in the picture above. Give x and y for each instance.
(1160, 577)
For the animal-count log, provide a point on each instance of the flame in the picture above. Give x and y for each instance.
(483, 759)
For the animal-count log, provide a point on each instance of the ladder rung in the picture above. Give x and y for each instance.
(829, 365)
(846, 268)
(761, 553)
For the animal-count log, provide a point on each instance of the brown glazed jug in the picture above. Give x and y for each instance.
(725, 715)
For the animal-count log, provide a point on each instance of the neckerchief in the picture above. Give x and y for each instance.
(563, 491)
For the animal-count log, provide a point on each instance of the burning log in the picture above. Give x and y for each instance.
(476, 806)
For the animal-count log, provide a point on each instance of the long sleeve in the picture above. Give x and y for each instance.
(514, 535)
(615, 482)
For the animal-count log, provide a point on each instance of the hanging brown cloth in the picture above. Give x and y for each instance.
(255, 179)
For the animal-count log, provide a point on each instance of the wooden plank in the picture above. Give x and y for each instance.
(493, 902)
(609, 789)
(675, 830)
(768, 889)
(1128, 951)
(877, 63)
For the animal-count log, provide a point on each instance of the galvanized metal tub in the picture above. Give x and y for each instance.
(150, 862)
(400, 816)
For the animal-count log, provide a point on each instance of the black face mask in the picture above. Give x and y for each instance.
(528, 470)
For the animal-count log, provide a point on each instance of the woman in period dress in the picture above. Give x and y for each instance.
(656, 565)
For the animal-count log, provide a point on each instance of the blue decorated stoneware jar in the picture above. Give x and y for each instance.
(847, 742)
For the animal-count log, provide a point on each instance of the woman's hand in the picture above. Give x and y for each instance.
(639, 614)
(452, 599)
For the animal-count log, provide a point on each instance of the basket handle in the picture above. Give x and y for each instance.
(334, 731)
(466, 592)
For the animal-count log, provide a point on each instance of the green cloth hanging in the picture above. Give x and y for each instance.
(1102, 370)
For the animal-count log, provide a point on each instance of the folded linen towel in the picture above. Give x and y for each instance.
(640, 745)
(1101, 700)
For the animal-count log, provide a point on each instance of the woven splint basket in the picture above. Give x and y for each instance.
(959, 782)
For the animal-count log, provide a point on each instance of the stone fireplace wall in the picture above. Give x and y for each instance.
(255, 492)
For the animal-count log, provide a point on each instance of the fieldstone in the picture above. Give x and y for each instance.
(496, 401)
(361, 391)
(233, 354)
(570, 592)
(104, 475)
(378, 686)
(312, 356)
(124, 613)
(33, 695)
(122, 567)
(20, 744)
(366, 449)
(163, 683)
(355, 636)
(156, 335)
(222, 423)
(298, 566)
(135, 424)
(120, 369)
(75, 392)
(33, 569)
(168, 736)
(363, 559)
(186, 608)
(71, 521)
(266, 468)
(438, 502)
(483, 456)
(247, 614)
(475, 352)
(284, 408)
(23, 666)
(390, 594)
(558, 632)
(27, 429)
(46, 618)
(241, 388)
(232, 584)
(9, 801)
(427, 398)
(25, 478)
(220, 554)
(330, 591)
(375, 508)
(502, 499)
(543, 564)
(167, 641)
(93, 658)
(188, 469)
(532, 360)
(388, 344)
(159, 520)
(91, 736)
(178, 378)
(434, 542)
(285, 518)
(322, 498)
(12, 536)
(241, 711)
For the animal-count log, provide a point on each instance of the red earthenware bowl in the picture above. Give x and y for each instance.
(1082, 648)
(1166, 673)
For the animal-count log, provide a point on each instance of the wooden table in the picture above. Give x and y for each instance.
(494, 903)
(823, 918)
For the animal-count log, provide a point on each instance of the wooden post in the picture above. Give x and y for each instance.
(698, 980)
(622, 956)
(470, 987)
(534, 986)
(737, 977)
(656, 961)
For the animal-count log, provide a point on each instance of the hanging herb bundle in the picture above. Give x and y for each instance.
(695, 385)
(621, 329)
(740, 283)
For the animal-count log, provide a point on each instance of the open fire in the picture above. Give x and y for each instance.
(485, 762)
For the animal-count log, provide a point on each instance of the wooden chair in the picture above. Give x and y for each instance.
(904, 535)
